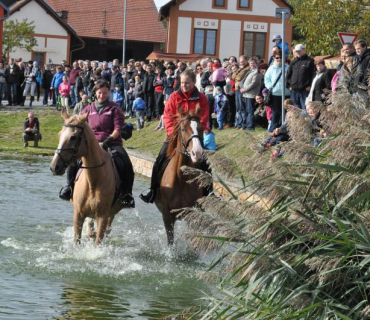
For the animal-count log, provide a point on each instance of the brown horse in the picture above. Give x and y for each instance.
(95, 189)
(185, 149)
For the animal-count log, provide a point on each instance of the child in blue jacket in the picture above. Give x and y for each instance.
(221, 107)
(56, 81)
(139, 107)
(117, 96)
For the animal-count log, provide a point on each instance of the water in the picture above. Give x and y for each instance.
(43, 275)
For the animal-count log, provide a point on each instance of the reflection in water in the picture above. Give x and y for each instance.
(43, 275)
(92, 302)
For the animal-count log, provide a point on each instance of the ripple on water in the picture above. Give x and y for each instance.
(43, 275)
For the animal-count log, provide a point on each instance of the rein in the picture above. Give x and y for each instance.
(186, 144)
(74, 150)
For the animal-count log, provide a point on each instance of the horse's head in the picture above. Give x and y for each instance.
(190, 132)
(72, 143)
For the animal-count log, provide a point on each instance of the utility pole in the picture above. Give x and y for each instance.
(283, 13)
(124, 34)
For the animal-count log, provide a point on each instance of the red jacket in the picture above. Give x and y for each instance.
(187, 103)
(73, 75)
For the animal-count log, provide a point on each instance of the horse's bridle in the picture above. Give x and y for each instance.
(74, 149)
(186, 144)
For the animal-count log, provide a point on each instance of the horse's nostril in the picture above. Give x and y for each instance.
(56, 168)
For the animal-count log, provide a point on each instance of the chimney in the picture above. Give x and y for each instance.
(64, 15)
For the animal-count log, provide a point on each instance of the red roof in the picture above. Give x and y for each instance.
(93, 18)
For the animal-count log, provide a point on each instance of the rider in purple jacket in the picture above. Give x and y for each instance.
(106, 120)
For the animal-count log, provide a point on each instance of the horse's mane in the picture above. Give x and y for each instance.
(171, 151)
(75, 120)
(79, 121)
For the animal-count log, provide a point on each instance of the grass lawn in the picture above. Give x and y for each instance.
(234, 144)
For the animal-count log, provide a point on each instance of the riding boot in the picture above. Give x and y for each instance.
(204, 165)
(155, 183)
(67, 191)
(32, 99)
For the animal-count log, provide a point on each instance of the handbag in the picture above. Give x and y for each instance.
(268, 98)
(126, 132)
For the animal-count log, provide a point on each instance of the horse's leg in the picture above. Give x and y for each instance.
(102, 227)
(78, 222)
(169, 224)
(109, 225)
(91, 233)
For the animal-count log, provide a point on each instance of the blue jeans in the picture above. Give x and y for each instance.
(220, 119)
(2, 85)
(276, 105)
(73, 95)
(249, 105)
(299, 98)
(12, 86)
(239, 108)
(56, 95)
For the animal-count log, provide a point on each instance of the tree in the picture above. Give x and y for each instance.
(317, 22)
(18, 35)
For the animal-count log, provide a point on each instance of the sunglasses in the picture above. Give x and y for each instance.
(199, 68)
(277, 57)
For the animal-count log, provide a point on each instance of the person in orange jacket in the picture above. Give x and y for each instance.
(188, 98)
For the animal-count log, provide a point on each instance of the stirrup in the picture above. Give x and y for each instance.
(66, 193)
(149, 197)
(128, 201)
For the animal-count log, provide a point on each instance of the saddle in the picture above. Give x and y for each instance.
(116, 174)
(121, 165)
(163, 163)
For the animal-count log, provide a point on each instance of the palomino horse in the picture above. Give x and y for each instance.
(95, 189)
(185, 149)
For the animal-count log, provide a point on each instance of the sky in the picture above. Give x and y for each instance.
(160, 3)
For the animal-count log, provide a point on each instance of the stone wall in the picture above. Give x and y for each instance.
(144, 167)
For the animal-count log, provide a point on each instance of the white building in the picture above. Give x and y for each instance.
(223, 28)
(52, 33)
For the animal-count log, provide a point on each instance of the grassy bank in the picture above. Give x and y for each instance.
(235, 144)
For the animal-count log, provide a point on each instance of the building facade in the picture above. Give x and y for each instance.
(53, 35)
(223, 28)
(101, 23)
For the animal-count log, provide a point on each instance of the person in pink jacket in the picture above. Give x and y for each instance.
(64, 90)
(218, 77)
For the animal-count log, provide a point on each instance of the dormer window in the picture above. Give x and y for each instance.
(220, 4)
(244, 4)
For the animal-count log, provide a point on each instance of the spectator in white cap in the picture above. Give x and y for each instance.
(279, 43)
(300, 74)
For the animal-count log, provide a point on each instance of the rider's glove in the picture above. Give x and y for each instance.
(107, 142)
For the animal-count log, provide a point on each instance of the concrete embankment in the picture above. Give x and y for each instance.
(144, 165)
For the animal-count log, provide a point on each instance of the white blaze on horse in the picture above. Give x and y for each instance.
(94, 193)
(185, 149)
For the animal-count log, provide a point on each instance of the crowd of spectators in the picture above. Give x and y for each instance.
(236, 88)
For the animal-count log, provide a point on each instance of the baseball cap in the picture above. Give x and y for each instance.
(299, 47)
(276, 37)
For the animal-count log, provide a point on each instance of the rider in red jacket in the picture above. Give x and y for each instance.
(187, 98)
(187, 101)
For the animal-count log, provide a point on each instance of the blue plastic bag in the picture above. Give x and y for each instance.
(209, 141)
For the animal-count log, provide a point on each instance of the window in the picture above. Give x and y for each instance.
(219, 4)
(254, 44)
(39, 57)
(244, 4)
(205, 41)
